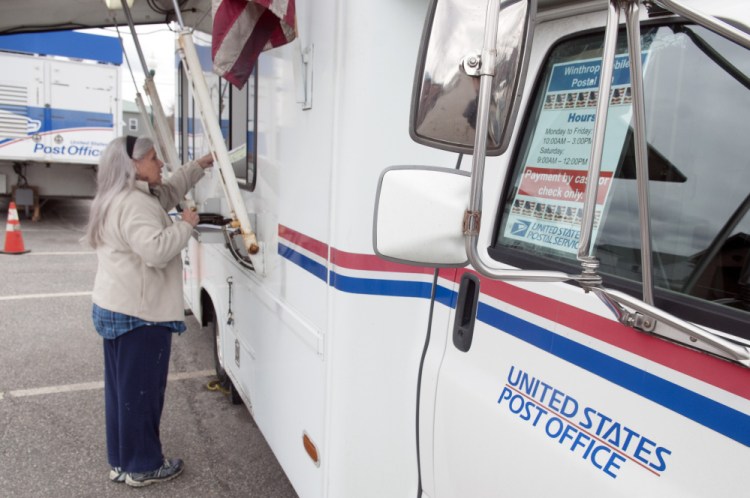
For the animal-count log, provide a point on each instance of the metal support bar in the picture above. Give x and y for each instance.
(710, 22)
(618, 301)
(129, 17)
(633, 27)
(600, 125)
(149, 126)
(163, 134)
(161, 126)
(145, 115)
(474, 211)
(488, 56)
(178, 14)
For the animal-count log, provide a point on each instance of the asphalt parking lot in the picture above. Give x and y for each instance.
(51, 390)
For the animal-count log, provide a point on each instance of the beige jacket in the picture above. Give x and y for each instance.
(140, 268)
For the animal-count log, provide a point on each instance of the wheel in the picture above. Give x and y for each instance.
(213, 329)
(234, 394)
(221, 374)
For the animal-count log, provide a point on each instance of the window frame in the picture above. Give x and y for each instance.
(251, 167)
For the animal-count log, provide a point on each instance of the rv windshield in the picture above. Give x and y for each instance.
(697, 94)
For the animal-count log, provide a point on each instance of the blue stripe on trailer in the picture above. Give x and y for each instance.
(66, 118)
(60, 119)
(66, 44)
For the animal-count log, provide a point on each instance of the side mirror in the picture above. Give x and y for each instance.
(446, 84)
(419, 213)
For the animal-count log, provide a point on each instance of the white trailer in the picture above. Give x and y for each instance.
(59, 107)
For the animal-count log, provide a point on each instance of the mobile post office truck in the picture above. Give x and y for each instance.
(497, 249)
(568, 315)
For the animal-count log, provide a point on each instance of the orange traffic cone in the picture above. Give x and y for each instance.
(13, 237)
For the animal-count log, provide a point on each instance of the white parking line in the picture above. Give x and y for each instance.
(86, 386)
(90, 386)
(41, 296)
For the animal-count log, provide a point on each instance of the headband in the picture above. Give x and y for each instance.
(129, 144)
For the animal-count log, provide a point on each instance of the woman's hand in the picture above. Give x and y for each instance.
(206, 161)
(190, 216)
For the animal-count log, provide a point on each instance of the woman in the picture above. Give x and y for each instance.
(137, 298)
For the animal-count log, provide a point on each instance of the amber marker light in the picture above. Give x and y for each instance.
(311, 449)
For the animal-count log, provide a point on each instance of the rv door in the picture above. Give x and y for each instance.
(551, 395)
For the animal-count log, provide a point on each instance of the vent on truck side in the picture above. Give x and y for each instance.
(13, 111)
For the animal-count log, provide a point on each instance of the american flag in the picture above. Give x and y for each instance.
(243, 29)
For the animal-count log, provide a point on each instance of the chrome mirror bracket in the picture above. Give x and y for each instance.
(635, 313)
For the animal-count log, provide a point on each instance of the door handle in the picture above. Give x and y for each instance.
(466, 312)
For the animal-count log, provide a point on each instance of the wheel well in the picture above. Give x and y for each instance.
(207, 306)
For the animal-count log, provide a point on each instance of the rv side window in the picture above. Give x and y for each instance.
(236, 110)
(182, 108)
(697, 88)
(242, 132)
(224, 108)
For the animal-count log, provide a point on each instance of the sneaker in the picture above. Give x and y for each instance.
(117, 475)
(171, 468)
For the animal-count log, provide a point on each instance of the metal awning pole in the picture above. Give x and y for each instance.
(161, 126)
(149, 126)
(178, 14)
(131, 24)
(146, 117)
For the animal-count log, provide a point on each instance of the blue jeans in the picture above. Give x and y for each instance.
(135, 380)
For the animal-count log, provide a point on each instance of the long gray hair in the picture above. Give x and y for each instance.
(116, 173)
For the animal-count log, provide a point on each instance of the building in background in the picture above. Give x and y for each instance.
(133, 123)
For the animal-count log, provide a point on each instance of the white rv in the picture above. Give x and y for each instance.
(489, 259)
(59, 107)
(532, 371)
